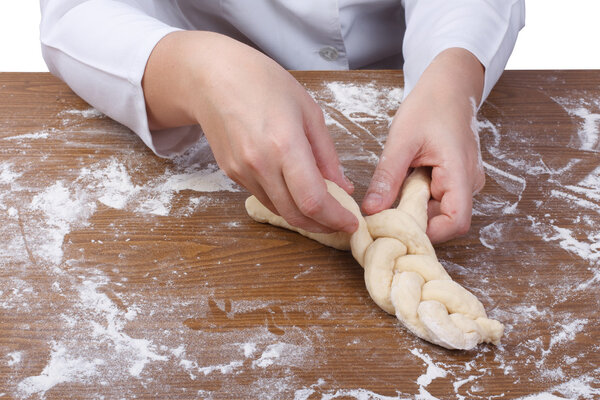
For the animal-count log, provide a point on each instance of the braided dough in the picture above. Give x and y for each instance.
(402, 273)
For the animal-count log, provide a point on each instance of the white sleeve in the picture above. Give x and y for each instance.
(100, 49)
(486, 28)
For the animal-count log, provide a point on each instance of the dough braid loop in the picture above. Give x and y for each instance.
(402, 273)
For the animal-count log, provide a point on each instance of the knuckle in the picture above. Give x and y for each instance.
(280, 144)
(480, 183)
(311, 204)
(463, 225)
(232, 170)
(250, 159)
(295, 220)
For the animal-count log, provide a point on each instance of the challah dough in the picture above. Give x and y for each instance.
(402, 273)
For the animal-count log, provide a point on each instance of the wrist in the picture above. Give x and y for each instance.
(176, 77)
(456, 75)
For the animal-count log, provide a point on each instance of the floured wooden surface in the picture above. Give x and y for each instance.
(123, 275)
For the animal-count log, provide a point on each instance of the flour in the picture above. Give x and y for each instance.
(433, 370)
(365, 102)
(15, 358)
(7, 175)
(29, 136)
(491, 234)
(61, 211)
(111, 184)
(588, 131)
(87, 113)
(60, 369)
(584, 387)
(587, 250)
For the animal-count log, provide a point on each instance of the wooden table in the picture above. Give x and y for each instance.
(123, 275)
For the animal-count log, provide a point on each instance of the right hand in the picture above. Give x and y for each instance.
(265, 130)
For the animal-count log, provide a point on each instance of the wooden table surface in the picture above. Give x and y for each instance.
(123, 275)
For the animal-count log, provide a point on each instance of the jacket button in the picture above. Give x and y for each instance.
(329, 53)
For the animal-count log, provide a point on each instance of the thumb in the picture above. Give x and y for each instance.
(395, 160)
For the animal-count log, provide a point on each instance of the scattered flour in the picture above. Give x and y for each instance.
(588, 132)
(6, 174)
(15, 358)
(365, 102)
(61, 211)
(490, 234)
(88, 113)
(566, 238)
(433, 370)
(29, 136)
(60, 369)
(112, 186)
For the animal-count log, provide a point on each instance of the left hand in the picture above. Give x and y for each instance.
(433, 127)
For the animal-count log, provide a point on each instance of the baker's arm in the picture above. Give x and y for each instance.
(454, 51)
(486, 28)
(100, 49)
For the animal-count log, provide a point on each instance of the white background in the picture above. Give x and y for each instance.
(559, 34)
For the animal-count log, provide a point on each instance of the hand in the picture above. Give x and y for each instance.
(433, 127)
(265, 130)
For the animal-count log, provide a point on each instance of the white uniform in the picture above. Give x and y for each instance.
(100, 47)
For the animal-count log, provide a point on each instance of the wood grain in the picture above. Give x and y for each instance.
(205, 303)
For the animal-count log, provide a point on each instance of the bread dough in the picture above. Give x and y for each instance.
(402, 273)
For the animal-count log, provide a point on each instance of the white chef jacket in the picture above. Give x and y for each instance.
(100, 47)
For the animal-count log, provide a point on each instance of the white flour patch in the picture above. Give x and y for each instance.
(365, 102)
(87, 113)
(210, 179)
(223, 369)
(587, 250)
(280, 354)
(584, 387)
(433, 370)
(588, 132)
(112, 185)
(589, 186)
(565, 333)
(14, 358)
(491, 234)
(7, 175)
(361, 394)
(359, 104)
(61, 211)
(29, 136)
(60, 369)
(110, 328)
(17, 294)
(511, 183)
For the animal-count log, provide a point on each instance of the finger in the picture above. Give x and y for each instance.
(454, 217)
(323, 148)
(433, 209)
(308, 189)
(285, 206)
(389, 174)
(261, 195)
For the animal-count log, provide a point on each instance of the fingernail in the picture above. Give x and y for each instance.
(345, 178)
(348, 182)
(373, 200)
(351, 228)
